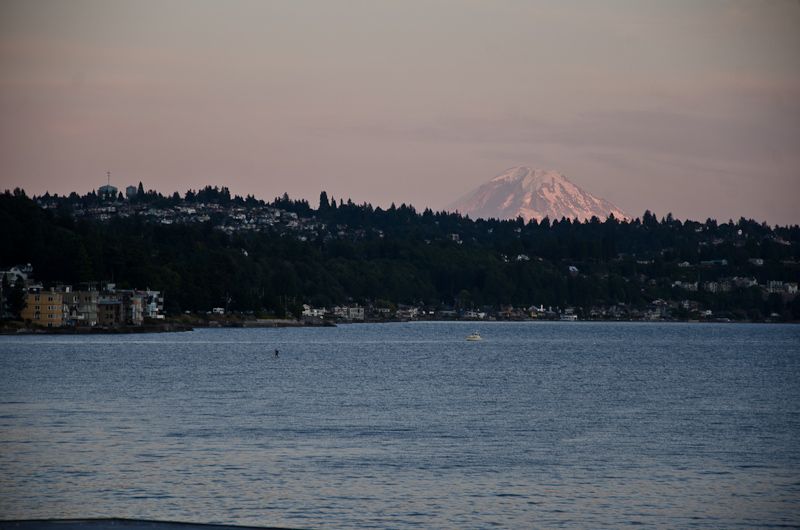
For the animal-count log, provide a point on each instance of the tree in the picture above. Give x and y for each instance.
(5, 290)
(464, 299)
(16, 299)
(140, 191)
(324, 205)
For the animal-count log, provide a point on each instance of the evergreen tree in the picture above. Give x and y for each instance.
(5, 290)
(16, 299)
(324, 205)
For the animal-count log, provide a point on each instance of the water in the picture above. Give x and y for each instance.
(408, 425)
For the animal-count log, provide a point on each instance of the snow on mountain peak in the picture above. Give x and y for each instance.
(534, 194)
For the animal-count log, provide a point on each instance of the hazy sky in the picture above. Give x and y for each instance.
(691, 107)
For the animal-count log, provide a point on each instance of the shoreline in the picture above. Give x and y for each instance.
(168, 327)
(122, 330)
(179, 328)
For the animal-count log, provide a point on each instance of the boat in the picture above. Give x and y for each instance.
(474, 336)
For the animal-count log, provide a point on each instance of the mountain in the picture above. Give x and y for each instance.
(533, 194)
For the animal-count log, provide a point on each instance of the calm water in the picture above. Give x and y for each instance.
(407, 425)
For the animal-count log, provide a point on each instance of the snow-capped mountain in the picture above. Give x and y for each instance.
(533, 194)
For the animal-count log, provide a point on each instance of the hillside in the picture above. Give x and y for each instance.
(276, 256)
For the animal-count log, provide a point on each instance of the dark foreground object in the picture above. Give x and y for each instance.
(119, 524)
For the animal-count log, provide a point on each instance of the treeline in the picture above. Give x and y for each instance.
(398, 255)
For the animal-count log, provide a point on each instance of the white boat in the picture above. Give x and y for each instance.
(474, 336)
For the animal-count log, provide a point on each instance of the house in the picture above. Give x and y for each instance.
(132, 310)
(382, 313)
(657, 310)
(18, 272)
(80, 307)
(512, 313)
(313, 312)
(109, 311)
(537, 312)
(744, 282)
(152, 304)
(690, 305)
(355, 313)
(774, 286)
(687, 286)
(569, 314)
(43, 308)
(349, 313)
(407, 313)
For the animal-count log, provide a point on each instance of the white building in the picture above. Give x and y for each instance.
(152, 304)
(349, 313)
(18, 272)
(775, 286)
(355, 313)
(313, 312)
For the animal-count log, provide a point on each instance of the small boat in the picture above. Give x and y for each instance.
(474, 336)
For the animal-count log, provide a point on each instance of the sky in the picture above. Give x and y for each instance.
(689, 107)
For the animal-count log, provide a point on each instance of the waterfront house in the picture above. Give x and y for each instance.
(152, 304)
(43, 308)
(80, 307)
(313, 312)
(109, 311)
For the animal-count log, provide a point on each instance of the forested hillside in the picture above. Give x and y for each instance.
(342, 252)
